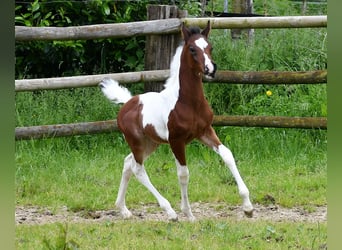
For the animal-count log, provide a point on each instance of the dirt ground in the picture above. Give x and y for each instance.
(38, 215)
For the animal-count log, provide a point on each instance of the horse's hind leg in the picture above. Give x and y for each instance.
(140, 173)
(126, 175)
(141, 149)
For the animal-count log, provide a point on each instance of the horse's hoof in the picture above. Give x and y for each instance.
(192, 219)
(126, 214)
(173, 219)
(249, 213)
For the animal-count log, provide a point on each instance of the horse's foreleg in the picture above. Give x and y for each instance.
(183, 177)
(228, 158)
(211, 140)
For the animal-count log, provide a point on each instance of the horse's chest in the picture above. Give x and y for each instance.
(189, 122)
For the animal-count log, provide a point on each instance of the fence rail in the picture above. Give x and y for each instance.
(231, 77)
(87, 128)
(164, 26)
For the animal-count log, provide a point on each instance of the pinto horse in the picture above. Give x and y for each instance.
(176, 115)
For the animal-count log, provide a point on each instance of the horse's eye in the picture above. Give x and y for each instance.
(192, 50)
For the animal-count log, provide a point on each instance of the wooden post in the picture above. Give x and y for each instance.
(304, 7)
(159, 49)
(243, 7)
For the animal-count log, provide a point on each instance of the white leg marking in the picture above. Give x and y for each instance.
(126, 175)
(183, 178)
(141, 175)
(228, 158)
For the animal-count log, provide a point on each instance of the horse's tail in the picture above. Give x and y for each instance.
(114, 92)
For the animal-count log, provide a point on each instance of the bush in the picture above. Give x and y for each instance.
(65, 58)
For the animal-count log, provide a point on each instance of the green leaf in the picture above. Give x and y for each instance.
(35, 6)
(28, 23)
(68, 19)
(36, 16)
(106, 9)
(18, 7)
(19, 18)
(45, 23)
(130, 46)
(48, 15)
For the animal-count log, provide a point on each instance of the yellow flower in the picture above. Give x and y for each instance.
(268, 92)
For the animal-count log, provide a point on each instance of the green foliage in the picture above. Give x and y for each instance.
(38, 59)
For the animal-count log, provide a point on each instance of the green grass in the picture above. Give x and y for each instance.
(85, 174)
(206, 234)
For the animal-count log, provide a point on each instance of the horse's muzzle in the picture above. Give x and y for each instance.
(210, 71)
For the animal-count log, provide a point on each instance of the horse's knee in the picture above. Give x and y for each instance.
(183, 174)
(127, 168)
(226, 155)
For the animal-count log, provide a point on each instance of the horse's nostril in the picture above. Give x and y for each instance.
(206, 70)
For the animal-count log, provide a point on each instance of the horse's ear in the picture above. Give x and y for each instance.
(206, 31)
(185, 32)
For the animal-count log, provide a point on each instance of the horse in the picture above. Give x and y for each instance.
(177, 115)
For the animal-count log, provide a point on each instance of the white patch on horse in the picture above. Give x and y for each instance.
(157, 106)
(202, 44)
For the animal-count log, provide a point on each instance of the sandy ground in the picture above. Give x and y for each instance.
(38, 215)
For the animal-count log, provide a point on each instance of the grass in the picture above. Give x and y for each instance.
(87, 175)
(83, 172)
(206, 234)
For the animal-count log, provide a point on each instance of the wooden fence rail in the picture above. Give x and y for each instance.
(165, 26)
(260, 22)
(232, 77)
(87, 128)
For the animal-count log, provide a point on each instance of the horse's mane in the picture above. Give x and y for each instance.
(195, 30)
(174, 68)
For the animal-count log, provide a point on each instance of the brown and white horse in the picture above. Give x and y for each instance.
(176, 115)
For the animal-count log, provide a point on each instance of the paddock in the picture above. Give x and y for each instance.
(65, 184)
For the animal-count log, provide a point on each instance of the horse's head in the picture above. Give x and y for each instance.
(197, 50)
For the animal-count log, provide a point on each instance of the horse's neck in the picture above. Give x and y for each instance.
(190, 87)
